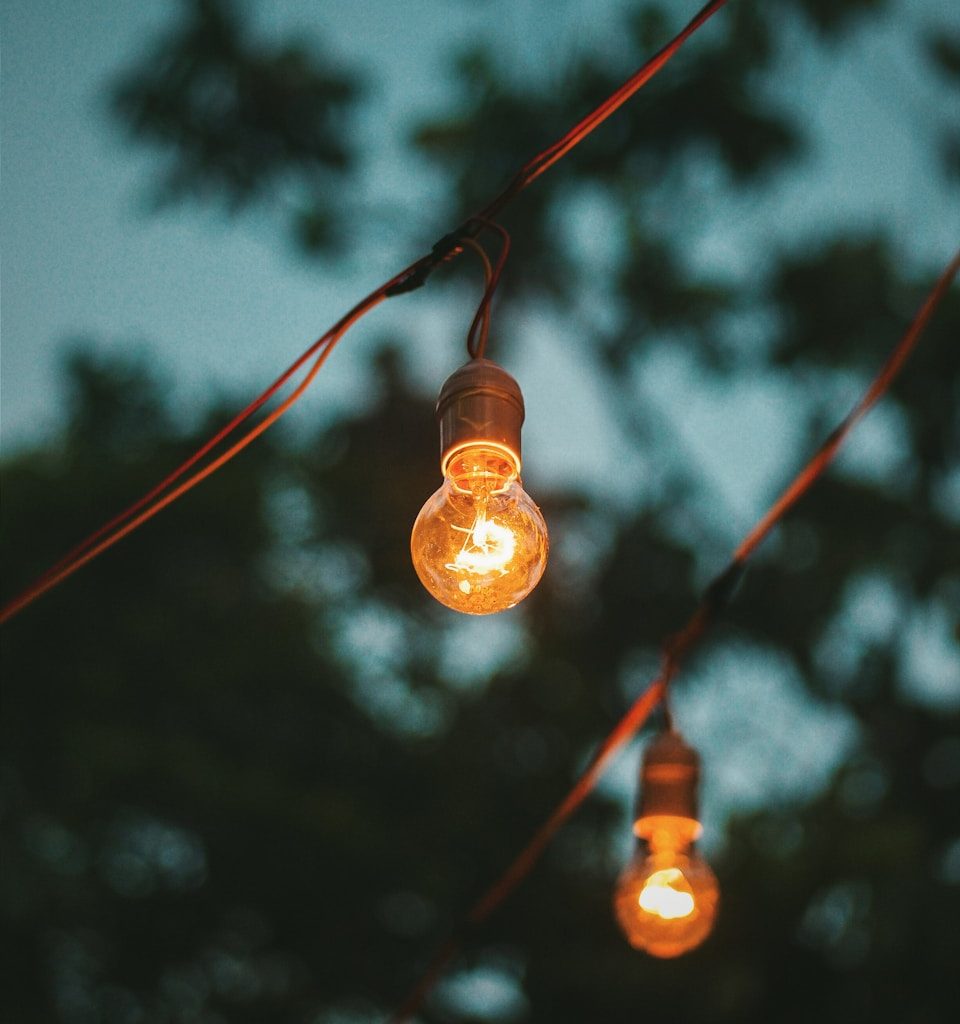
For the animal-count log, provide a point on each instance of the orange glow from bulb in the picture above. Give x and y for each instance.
(488, 547)
(667, 894)
(479, 544)
(666, 899)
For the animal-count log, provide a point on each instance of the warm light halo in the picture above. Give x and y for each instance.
(661, 897)
(495, 446)
(479, 544)
(666, 902)
(679, 829)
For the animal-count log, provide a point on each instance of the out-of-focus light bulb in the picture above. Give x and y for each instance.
(479, 544)
(666, 899)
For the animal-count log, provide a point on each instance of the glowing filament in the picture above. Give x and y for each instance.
(659, 897)
(488, 548)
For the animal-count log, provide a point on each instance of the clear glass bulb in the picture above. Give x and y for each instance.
(666, 899)
(480, 544)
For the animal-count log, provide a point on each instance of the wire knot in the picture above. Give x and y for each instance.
(442, 251)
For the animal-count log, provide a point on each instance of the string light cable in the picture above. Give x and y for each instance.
(410, 278)
(481, 321)
(674, 650)
(160, 496)
(480, 326)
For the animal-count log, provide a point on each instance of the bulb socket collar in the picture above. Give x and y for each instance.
(479, 404)
(669, 779)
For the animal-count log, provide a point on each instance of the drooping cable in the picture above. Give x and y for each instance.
(407, 280)
(545, 160)
(480, 327)
(155, 500)
(673, 650)
(472, 243)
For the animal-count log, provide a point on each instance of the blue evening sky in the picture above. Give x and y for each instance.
(225, 304)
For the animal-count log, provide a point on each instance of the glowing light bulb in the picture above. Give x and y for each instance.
(666, 899)
(479, 544)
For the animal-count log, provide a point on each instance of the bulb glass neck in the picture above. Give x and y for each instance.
(668, 833)
(482, 470)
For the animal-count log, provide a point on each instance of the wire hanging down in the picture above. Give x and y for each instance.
(673, 650)
(411, 277)
(480, 326)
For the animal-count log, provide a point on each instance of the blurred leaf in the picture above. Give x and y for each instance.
(831, 18)
(238, 119)
(944, 51)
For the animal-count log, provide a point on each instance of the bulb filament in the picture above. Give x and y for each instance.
(487, 548)
(659, 896)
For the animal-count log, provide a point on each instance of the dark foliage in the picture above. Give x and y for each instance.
(241, 120)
